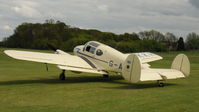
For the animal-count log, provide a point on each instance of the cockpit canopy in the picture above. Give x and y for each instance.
(92, 47)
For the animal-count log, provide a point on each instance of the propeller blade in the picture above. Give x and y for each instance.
(50, 46)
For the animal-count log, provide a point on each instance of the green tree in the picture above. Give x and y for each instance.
(65, 37)
(170, 37)
(152, 35)
(180, 46)
(192, 41)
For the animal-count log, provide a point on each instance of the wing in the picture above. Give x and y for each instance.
(81, 69)
(70, 62)
(146, 57)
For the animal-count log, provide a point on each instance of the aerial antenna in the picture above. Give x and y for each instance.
(46, 66)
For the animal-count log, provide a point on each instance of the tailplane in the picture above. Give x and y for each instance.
(134, 72)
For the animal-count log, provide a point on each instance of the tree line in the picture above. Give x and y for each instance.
(65, 37)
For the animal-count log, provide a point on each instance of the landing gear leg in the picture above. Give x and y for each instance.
(160, 84)
(105, 76)
(62, 75)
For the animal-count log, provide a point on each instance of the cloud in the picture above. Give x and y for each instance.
(7, 27)
(103, 7)
(119, 16)
(26, 9)
(195, 3)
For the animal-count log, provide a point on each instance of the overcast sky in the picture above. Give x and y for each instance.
(118, 16)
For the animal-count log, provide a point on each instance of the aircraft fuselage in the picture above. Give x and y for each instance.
(101, 56)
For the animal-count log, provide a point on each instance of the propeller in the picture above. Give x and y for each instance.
(50, 46)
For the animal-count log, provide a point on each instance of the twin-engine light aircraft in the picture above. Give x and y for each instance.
(95, 57)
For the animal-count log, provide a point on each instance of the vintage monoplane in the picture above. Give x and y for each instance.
(95, 57)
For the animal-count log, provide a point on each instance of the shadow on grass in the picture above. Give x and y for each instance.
(86, 79)
(55, 80)
(140, 86)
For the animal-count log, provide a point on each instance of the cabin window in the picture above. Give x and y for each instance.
(94, 44)
(99, 52)
(90, 49)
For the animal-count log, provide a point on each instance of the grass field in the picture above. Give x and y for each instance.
(28, 87)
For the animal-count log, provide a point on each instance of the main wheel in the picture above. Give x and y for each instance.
(161, 84)
(62, 77)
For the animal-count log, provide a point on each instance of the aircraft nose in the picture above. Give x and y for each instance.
(75, 50)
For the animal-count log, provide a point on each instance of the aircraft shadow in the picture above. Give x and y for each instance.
(86, 79)
(55, 80)
(140, 86)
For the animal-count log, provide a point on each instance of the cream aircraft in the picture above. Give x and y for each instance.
(95, 57)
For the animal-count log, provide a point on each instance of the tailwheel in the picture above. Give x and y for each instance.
(160, 84)
(62, 75)
(105, 76)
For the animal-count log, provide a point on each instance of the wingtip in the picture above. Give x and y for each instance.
(8, 52)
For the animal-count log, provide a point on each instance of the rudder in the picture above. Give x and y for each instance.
(181, 63)
(132, 69)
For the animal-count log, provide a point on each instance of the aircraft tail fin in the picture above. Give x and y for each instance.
(132, 69)
(181, 63)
